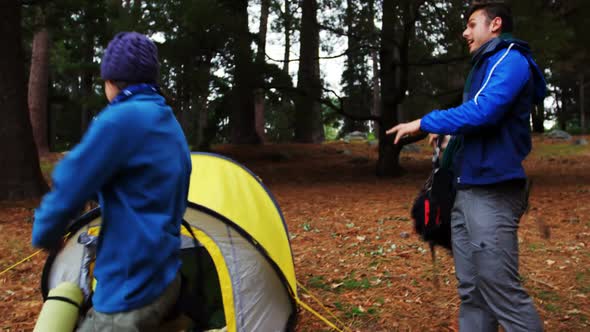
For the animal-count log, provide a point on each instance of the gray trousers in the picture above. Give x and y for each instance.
(145, 319)
(485, 249)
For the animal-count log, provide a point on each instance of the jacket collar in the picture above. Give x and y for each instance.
(135, 89)
(502, 42)
(498, 43)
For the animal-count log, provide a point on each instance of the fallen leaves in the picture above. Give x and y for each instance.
(346, 230)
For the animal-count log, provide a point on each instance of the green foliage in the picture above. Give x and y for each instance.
(352, 311)
(279, 109)
(560, 150)
(359, 21)
(198, 60)
(307, 226)
(47, 167)
(318, 282)
(583, 281)
(536, 246)
(331, 133)
(352, 283)
(573, 127)
(547, 296)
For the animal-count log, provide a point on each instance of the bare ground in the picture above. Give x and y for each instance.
(349, 233)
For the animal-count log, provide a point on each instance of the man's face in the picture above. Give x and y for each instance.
(480, 29)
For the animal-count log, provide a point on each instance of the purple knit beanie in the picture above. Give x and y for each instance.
(130, 57)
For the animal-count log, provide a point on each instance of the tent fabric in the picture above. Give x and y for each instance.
(260, 300)
(234, 192)
(237, 221)
(66, 265)
(222, 272)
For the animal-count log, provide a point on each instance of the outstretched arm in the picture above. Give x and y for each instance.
(80, 174)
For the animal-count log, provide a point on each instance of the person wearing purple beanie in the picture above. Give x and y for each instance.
(135, 157)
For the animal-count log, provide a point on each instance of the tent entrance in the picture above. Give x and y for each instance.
(201, 298)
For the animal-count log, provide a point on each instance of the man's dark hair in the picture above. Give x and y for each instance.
(493, 9)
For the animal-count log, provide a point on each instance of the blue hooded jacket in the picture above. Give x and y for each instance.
(494, 120)
(135, 156)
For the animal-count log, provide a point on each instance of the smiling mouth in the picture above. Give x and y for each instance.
(469, 43)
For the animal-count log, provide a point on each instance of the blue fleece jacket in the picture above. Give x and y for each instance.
(494, 119)
(135, 156)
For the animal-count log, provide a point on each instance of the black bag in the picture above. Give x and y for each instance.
(432, 208)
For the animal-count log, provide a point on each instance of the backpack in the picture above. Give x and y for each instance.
(432, 207)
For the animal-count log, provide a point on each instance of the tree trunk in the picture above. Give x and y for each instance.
(388, 162)
(86, 90)
(38, 89)
(308, 118)
(178, 108)
(87, 84)
(287, 26)
(20, 174)
(353, 84)
(286, 98)
(538, 118)
(243, 113)
(582, 110)
(376, 106)
(562, 111)
(259, 95)
(394, 77)
(185, 98)
(200, 142)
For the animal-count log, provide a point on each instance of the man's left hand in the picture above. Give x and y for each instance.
(403, 129)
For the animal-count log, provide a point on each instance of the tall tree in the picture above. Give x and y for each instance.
(359, 18)
(280, 112)
(20, 174)
(308, 118)
(556, 32)
(288, 26)
(399, 19)
(39, 82)
(375, 83)
(538, 118)
(243, 112)
(582, 85)
(260, 61)
(92, 17)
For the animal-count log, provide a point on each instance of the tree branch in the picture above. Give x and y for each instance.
(440, 94)
(438, 61)
(30, 2)
(412, 15)
(348, 51)
(412, 139)
(342, 33)
(339, 109)
(336, 31)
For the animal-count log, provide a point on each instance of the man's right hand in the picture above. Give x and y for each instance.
(432, 140)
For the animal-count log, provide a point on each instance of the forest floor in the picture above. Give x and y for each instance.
(353, 242)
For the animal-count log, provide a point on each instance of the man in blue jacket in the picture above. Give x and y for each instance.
(492, 128)
(135, 156)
